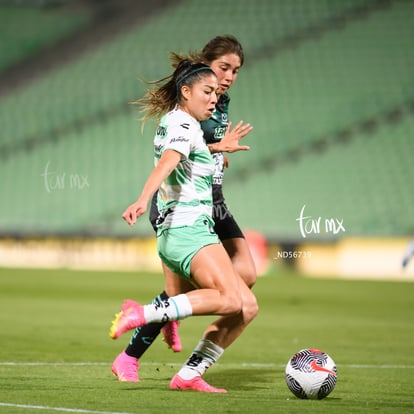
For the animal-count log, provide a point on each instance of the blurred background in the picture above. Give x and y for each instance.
(327, 84)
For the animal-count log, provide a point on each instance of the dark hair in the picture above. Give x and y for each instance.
(213, 50)
(220, 46)
(190, 73)
(167, 93)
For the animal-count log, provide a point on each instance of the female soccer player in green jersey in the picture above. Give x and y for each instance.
(225, 56)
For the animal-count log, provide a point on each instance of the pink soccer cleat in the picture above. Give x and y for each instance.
(126, 367)
(195, 384)
(130, 317)
(171, 337)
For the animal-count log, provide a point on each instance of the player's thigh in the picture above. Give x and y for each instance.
(174, 283)
(211, 268)
(241, 257)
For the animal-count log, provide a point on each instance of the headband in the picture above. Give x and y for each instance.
(192, 72)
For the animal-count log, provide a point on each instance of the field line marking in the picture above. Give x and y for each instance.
(175, 364)
(61, 409)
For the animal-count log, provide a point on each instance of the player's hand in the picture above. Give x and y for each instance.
(134, 211)
(230, 141)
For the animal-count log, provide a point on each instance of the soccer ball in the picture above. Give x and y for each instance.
(311, 373)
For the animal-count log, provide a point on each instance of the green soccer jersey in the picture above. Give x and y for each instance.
(214, 130)
(186, 192)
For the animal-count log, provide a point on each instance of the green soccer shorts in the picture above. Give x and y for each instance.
(178, 245)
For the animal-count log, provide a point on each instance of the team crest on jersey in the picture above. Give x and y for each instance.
(224, 117)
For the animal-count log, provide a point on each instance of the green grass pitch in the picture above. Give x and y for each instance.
(55, 352)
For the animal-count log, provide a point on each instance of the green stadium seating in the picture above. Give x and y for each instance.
(27, 29)
(365, 182)
(321, 81)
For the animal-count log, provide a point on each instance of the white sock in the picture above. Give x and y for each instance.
(205, 355)
(173, 309)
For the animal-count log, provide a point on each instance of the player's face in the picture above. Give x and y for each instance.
(226, 68)
(200, 100)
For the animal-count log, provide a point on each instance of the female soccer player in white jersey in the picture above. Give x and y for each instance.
(224, 54)
(187, 243)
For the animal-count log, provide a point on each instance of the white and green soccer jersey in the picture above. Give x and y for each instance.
(186, 193)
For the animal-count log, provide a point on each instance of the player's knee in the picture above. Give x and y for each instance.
(233, 303)
(250, 308)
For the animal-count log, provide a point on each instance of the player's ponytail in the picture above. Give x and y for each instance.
(166, 92)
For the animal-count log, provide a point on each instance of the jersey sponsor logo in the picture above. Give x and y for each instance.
(219, 132)
(179, 139)
(185, 126)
